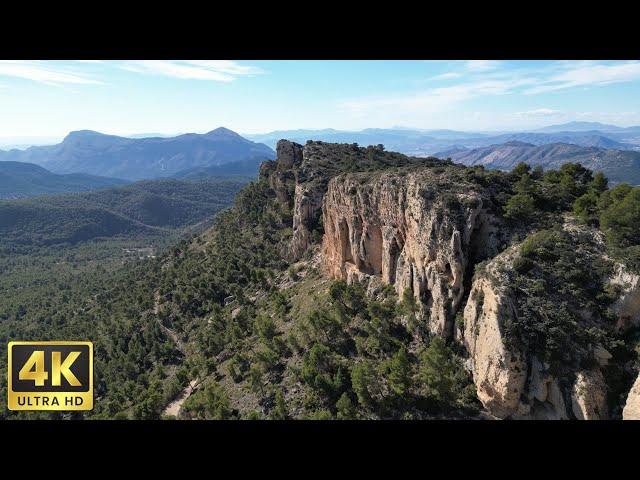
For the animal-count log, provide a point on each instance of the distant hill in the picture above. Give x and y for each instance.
(21, 180)
(583, 139)
(428, 142)
(618, 165)
(244, 168)
(139, 158)
(392, 139)
(146, 207)
(580, 127)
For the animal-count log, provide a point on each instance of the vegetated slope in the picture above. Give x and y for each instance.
(21, 180)
(241, 169)
(360, 284)
(299, 345)
(143, 207)
(138, 158)
(617, 165)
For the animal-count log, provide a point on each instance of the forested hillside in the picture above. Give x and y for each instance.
(617, 165)
(154, 207)
(352, 283)
(21, 180)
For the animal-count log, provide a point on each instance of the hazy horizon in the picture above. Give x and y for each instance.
(20, 143)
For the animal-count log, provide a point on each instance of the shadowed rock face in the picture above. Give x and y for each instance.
(299, 185)
(415, 231)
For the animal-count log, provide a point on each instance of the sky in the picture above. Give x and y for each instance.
(52, 98)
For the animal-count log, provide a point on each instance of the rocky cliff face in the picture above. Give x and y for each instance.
(423, 225)
(300, 175)
(515, 383)
(415, 231)
(500, 375)
(295, 185)
(627, 307)
(632, 407)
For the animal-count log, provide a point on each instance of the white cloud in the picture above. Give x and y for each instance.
(485, 79)
(446, 76)
(585, 74)
(227, 66)
(482, 65)
(213, 70)
(540, 112)
(49, 73)
(436, 99)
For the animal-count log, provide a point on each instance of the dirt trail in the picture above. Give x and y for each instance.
(174, 407)
(167, 331)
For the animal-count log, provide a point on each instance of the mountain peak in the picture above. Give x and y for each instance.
(221, 132)
(83, 134)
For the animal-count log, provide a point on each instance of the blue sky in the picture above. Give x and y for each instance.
(51, 98)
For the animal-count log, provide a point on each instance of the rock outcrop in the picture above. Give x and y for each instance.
(387, 219)
(510, 382)
(627, 307)
(499, 374)
(415, 231)
(289, 176)
(632, 407)
(300, 175)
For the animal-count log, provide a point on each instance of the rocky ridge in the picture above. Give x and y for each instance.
(422, 230)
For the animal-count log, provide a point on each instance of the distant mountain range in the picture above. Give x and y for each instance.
(583, 127)
(617, 165)
(140, 158)
(20, 180)
(82, 160)
(428, 142)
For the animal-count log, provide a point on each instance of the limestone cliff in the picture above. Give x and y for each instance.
(416, 231)
(499, 374)
(300, 174)
(632, 407)
(424, 225)
(512, 381)
(627, 307)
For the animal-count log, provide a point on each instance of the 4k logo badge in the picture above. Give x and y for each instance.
(50, 376)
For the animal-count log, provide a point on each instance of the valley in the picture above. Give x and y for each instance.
(22, 180)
